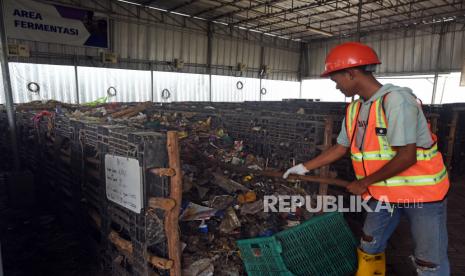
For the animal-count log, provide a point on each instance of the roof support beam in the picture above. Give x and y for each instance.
(401, 24)
(222, 5)
(149, 2)
(412, 19)
(283, 12)
(338, 8)
(365, 20)
(359, 18)
(180, 6)
(250, 8)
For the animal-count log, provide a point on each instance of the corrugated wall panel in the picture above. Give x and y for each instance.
(144, 37)
(399, 61)
(133, 41)
(239, 53)
(181, 87)
(56, 82)
(228, 52)
(452, 51)
(169, 45)
(408, 54)
(459, 52)
(411, 51)
(201, 54)
(278, 90)
(417, 49)
(2, 94)
(130, 85)
(283, 65)
(224, 89)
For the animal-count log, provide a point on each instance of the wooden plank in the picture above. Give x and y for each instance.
(171, 219)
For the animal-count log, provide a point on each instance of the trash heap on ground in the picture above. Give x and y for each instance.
(223, 199)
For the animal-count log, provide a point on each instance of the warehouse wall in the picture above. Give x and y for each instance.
(54, 81)
(58, 82)
(150, 39)
(2, 94)
(404, 51)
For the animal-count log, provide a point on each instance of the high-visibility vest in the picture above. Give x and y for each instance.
(425, 181)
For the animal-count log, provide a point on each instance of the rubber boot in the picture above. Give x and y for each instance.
(370, 265)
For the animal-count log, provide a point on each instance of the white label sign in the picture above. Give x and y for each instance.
(124, 182)
(31, 20)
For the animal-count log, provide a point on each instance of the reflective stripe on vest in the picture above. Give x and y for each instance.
(374, 155)
(423, 180)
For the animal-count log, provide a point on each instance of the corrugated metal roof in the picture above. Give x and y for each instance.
(306, 20)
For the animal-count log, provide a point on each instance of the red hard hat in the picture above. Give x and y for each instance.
(347, 55)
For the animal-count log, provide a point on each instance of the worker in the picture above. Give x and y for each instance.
(395, 159)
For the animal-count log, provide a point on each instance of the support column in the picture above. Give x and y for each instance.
(76, 79)
(261, 72)
(152, 85)
(8, 91)
(209, 57)
(303, 65)
(438, 55)
(359, 18)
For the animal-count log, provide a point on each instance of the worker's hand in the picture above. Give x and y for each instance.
(357, 187)
(298, 169)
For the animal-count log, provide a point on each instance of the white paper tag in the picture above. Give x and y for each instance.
(124, 182)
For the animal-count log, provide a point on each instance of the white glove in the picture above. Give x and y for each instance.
(298, 169)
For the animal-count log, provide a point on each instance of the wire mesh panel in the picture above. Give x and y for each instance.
(145, 231)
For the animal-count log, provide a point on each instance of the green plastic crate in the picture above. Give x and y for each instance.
(262, 256)
(323, 245)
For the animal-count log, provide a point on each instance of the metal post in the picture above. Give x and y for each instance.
(261, 71)
(1, 263)
(435, 84)
(76, 80)
(209, 57)
(359, 18)
(443, 88)
(8, 92)
(462, 74)
(210, 87)
(303, 65)
(436, 71)
(152, 85)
